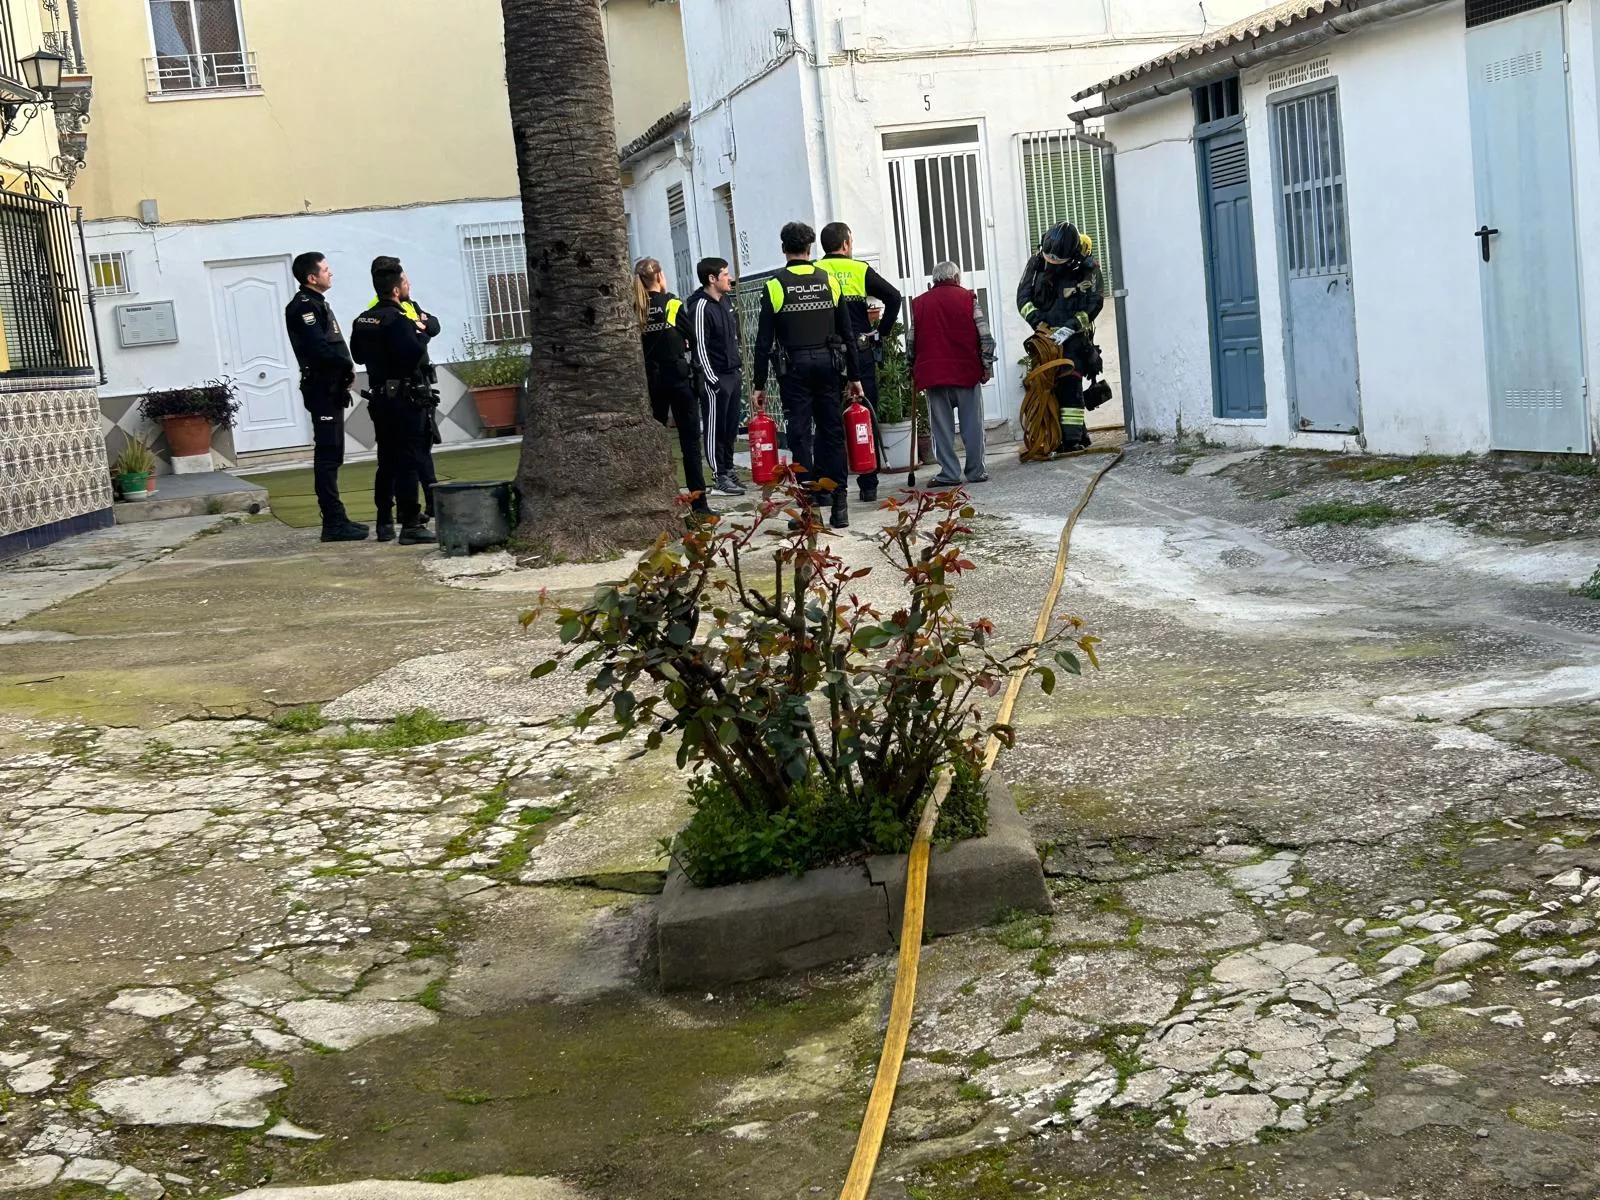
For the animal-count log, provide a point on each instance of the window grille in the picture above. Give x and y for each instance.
(1481, 12)
(109, 274)
(682, 258)
(1063, 180)
(1310, 174)
(497, 280)
(41, 304)
(1217, 101)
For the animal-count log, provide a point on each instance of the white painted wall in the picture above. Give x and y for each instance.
(1415, 269)
(169, 262)
(646, 202)
(803, 141)
(1163, 268)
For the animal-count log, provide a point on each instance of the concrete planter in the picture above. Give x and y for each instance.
(712, 936)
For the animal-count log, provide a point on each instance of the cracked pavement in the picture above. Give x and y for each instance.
(1323, 839)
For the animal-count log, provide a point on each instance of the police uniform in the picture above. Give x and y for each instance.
(666, 338)
(395, 352)
(857, 283)
(802, 314)
(1064, 295)
(427, 438)
(326, 373)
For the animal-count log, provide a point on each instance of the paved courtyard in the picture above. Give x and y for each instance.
(1323, 837)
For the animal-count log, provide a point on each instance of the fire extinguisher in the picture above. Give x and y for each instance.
(763, 433)
(858, 437)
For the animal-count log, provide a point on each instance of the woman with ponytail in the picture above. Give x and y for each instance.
(664, 327)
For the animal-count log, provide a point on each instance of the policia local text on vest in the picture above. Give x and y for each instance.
(805, 333)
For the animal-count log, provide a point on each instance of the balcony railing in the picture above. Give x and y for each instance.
(185, 74)
(8, 47)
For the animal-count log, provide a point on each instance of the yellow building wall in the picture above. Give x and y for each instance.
(364, 104)
(649, 73)
(36, 145)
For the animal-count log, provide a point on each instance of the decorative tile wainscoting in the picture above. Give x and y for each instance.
(54, 477)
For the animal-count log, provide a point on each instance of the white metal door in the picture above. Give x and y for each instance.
(249, 299)
(938, 191)
(1527, 233)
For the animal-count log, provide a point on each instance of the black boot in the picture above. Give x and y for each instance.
(385, 531)
(417, 535)
(344, 531)
(869, 492)
(841, 510)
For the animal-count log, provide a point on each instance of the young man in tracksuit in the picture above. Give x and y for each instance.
(718, 370)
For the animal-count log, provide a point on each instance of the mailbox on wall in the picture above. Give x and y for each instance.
(146, 324)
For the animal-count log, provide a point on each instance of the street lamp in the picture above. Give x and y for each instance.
(41, 71)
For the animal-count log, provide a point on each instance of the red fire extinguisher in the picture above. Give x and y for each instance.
(763, 447)
(858, 437)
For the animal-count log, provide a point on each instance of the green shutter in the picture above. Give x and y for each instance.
(1062, 181)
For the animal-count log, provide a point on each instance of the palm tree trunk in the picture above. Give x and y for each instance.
(597, 473)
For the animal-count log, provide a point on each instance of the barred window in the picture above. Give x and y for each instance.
(497, 281)
(42, 328)
(199, 46)
(109, 274)
(1063, 180)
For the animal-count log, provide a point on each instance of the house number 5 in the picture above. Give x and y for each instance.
(927, 102)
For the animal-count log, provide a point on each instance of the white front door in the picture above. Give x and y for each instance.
(249, 299)
(938, 195)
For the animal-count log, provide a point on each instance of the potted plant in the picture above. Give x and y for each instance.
(895, 398)
(132, 470)
(188, 415)
(494, 373)
(815, 721)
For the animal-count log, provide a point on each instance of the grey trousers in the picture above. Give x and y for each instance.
(943, 402)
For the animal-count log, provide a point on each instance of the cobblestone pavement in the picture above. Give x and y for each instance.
(1323, 839)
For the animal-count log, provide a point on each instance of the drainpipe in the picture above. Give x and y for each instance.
(1119, 293)
(824, 93)
(77, 37)
(1334, 27)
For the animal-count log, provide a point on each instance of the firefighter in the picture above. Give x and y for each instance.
(326, 374)
(805, 332)
(1061, 294)
(857, 284)
(664, 326)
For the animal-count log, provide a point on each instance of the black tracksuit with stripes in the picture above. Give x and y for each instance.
(719, 372)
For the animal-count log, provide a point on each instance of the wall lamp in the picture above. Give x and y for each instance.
(41, 72)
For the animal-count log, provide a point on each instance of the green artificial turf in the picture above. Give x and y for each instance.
(294, 500)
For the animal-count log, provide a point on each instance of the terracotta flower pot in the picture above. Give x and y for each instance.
(187, 436)
(497, 406)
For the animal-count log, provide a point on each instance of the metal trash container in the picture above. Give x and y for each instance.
(474, 516)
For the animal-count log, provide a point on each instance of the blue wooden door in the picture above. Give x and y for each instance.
(1238, 377)
(1319, 306)
(1526, 243)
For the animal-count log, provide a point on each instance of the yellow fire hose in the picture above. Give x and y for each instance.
(870, 1141)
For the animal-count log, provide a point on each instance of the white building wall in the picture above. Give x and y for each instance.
(169, 262)
(645, 199)
(1163, 268)
(1004, 64)
(1411, 210)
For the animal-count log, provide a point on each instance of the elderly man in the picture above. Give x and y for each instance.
(952, 356)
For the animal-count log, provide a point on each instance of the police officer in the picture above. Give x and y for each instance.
(326, 374)
(1062, 288)
(383, 479)
(665, 335)
(388, 342)
(802, 314)
(857, 283)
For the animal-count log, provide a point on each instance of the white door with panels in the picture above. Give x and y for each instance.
(248, 299)
(938, 196)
